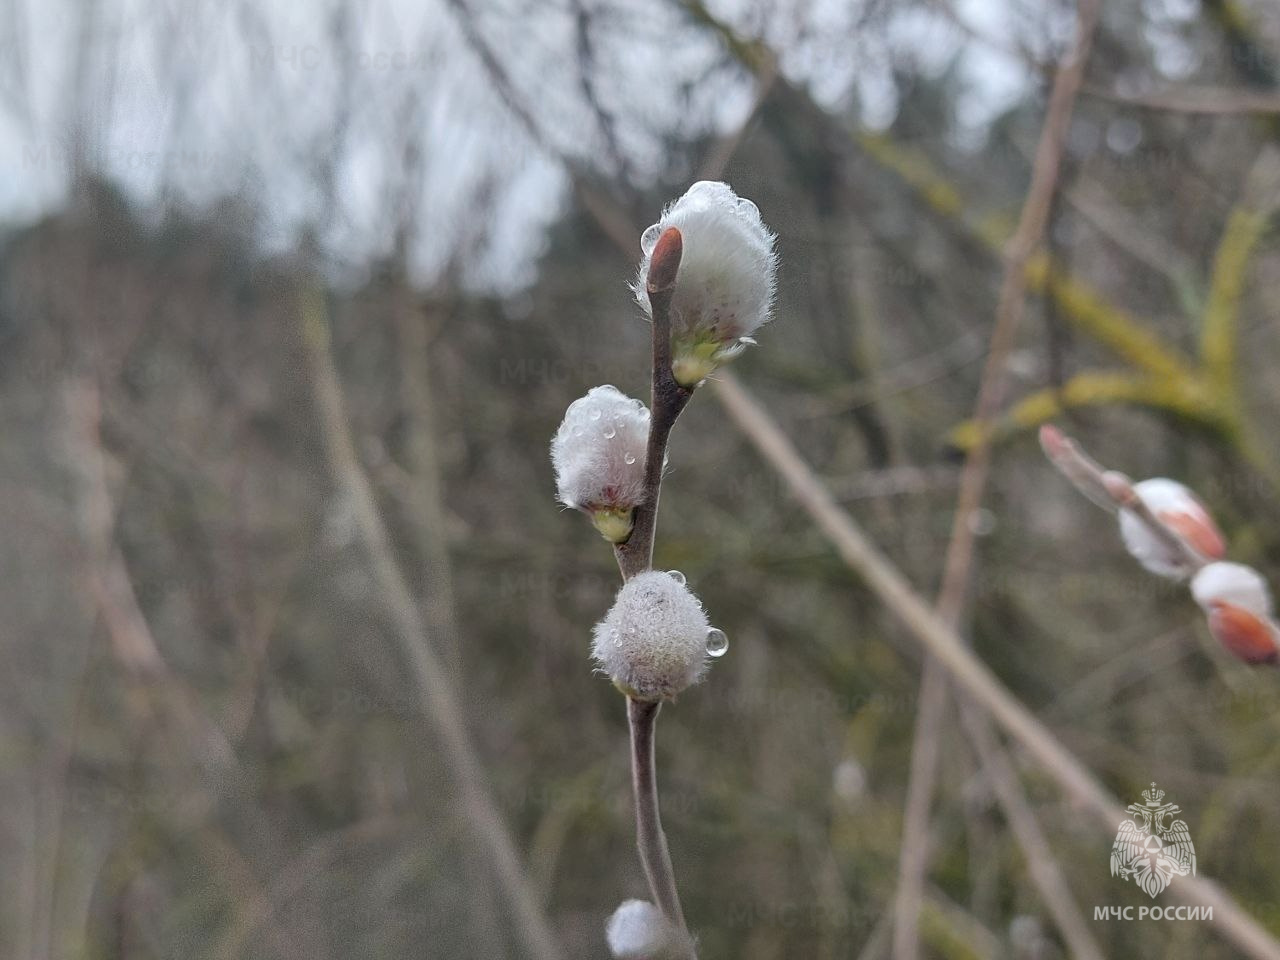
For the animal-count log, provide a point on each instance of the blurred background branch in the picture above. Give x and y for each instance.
(427, 672)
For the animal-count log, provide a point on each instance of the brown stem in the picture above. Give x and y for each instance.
(1112, 490)
(635, 556)
(668, 400)
(655, 857)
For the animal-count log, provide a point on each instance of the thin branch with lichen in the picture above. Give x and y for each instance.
(1173, 382)
(1089, 311)
(1188, 400)
(1246, 224)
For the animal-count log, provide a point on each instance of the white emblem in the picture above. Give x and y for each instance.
(1148, 850)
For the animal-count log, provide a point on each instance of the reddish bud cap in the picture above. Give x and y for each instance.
(1052, 442)
(664, 262)
(1250, 638)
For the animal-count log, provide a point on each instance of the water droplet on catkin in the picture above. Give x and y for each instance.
(595, 413)
(610, 432)
(717, 642)
(629, 459)
(982, 522)
(649, 239)
(677, 576)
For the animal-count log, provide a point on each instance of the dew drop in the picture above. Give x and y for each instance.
(629, 459)
(717, 642)
(649, 239)
(678, 577)
(982, 522)
(595, 413)
(610, 432)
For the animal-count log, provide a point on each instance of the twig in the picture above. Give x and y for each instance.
(913, 854)
(616, 223)
(635, 556)
(436, 695)
(1112, 491)
(1041, 864)
(959, 559)
(668, 399)
(964, 668)
(1085, 473)
(291, 879)
(650, 838)
(722, 151)
(1205, 100)
(167, 703)
(1245, 227)
(852, 545)
(1102, 211)
(424, 486)
(424, 492)
(112, 588)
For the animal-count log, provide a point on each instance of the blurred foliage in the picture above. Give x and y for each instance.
(330, 826)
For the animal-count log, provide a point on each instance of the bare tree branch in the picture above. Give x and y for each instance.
(972, 676)
(1206, 100)
(955, 583)
(435, 692)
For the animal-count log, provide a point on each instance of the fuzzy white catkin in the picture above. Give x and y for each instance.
(727, 279)
(599, 451)
(1162, 497)
(653, 641)
(1232, 583)
(638, 931)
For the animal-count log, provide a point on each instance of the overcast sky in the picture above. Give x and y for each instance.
(195, 100)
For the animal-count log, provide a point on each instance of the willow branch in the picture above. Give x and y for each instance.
(655, 856)
(963, 667)
(668, 399)
(635, 556)
(1112, 491)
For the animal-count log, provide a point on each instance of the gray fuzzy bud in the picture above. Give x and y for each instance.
(638, 931)
(653, 641)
